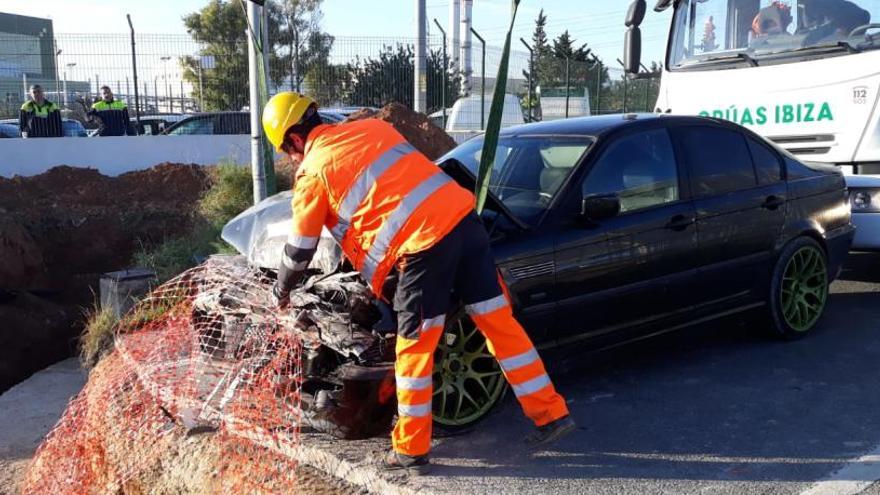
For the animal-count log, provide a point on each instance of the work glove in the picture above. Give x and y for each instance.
(280, 296)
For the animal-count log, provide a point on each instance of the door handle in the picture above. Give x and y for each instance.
(680, 222)
(773, 202)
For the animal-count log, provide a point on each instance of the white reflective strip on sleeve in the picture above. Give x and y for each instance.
(531, 386)
(437, 321)
(294, 265)
(302, 241)
(415, 410)
(407, 383)
(358, 191)
(396, 221)
(520, 360)
(486, 307)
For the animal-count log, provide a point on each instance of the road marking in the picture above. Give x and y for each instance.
(852, 478)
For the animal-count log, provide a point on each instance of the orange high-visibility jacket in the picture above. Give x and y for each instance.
(377, 194)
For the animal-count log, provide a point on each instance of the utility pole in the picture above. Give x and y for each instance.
(443, 73)
(531, 70)
(258, 170)
(454, 34)
(420, 103)
(466, 47)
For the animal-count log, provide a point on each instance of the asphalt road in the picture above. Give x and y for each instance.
(716, 409)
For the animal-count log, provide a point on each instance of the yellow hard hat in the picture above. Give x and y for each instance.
(283, 111)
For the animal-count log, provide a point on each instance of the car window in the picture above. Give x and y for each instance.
(194, 126)
(640, 169)
(233, 123)
(719, 160)
(768, 166)
(528, 171)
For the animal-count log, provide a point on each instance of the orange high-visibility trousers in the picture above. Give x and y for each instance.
(460, 263)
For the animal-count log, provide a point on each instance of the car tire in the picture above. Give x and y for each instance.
(468, 382)
(798, 289)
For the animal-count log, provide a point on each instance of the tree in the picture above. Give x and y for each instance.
(390, 77)
(308, 47)
(220, 27)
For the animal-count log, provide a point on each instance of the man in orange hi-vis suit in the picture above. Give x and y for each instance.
(392, 209)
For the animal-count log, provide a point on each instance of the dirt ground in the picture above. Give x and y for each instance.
(432, 141)
(58, 232)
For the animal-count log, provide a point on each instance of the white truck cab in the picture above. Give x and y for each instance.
(805, 74)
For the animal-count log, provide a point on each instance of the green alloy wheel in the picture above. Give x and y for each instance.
(467, 379)
(799, 290)
(804, 288)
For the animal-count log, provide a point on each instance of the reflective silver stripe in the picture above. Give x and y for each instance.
(407, 383)
(437, 321)
(415, 410)
(302, 241)
(487, 306)
(358, 191)
(294, 265)
(396, 220)
(520, 360)
(531, 386)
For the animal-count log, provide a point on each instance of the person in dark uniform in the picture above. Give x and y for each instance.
(113, 115)
(39, 117)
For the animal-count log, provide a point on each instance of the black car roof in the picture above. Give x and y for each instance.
(597, 125)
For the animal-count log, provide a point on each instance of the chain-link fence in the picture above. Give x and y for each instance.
(178, 75)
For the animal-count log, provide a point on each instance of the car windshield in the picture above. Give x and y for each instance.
(529, 170)
(713, 32)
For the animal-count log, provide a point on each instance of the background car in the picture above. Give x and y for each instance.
(70, 127)
(226, 123)
(152, 125)
(9, 131)
(864, 196)
(611, 229)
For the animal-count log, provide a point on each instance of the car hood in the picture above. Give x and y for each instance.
(260, 232)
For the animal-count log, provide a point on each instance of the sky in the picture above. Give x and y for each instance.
(596, 22)
(86, 57)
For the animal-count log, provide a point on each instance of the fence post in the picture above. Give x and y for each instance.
(625, 84)
(443, 74)
(647, 86)
(482, 81)
(137, 103)
(567, 83)
(531, 69)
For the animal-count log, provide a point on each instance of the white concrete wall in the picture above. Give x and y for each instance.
(116, 155)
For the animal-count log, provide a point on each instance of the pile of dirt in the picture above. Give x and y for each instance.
(59, 231)
(431, 140)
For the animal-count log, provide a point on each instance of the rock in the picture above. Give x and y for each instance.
(431, 140)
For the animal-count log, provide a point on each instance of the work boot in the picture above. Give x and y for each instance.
(395, 461)
(551, 432)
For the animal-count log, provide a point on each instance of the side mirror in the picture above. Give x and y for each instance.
(636, 13)
(632, 50)
(597, 208)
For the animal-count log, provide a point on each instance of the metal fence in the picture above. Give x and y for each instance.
(178, 75)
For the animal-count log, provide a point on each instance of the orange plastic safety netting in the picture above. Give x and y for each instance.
(205, 373)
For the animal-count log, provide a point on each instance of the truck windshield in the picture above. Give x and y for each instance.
(746, 32)
(529, 170)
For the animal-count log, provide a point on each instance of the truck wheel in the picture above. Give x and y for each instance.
(467, 379)
(798, 289)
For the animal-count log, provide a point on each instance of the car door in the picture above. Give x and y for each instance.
(740, 199)
(630, 269)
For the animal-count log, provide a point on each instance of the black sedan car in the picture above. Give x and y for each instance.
(611, 229)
